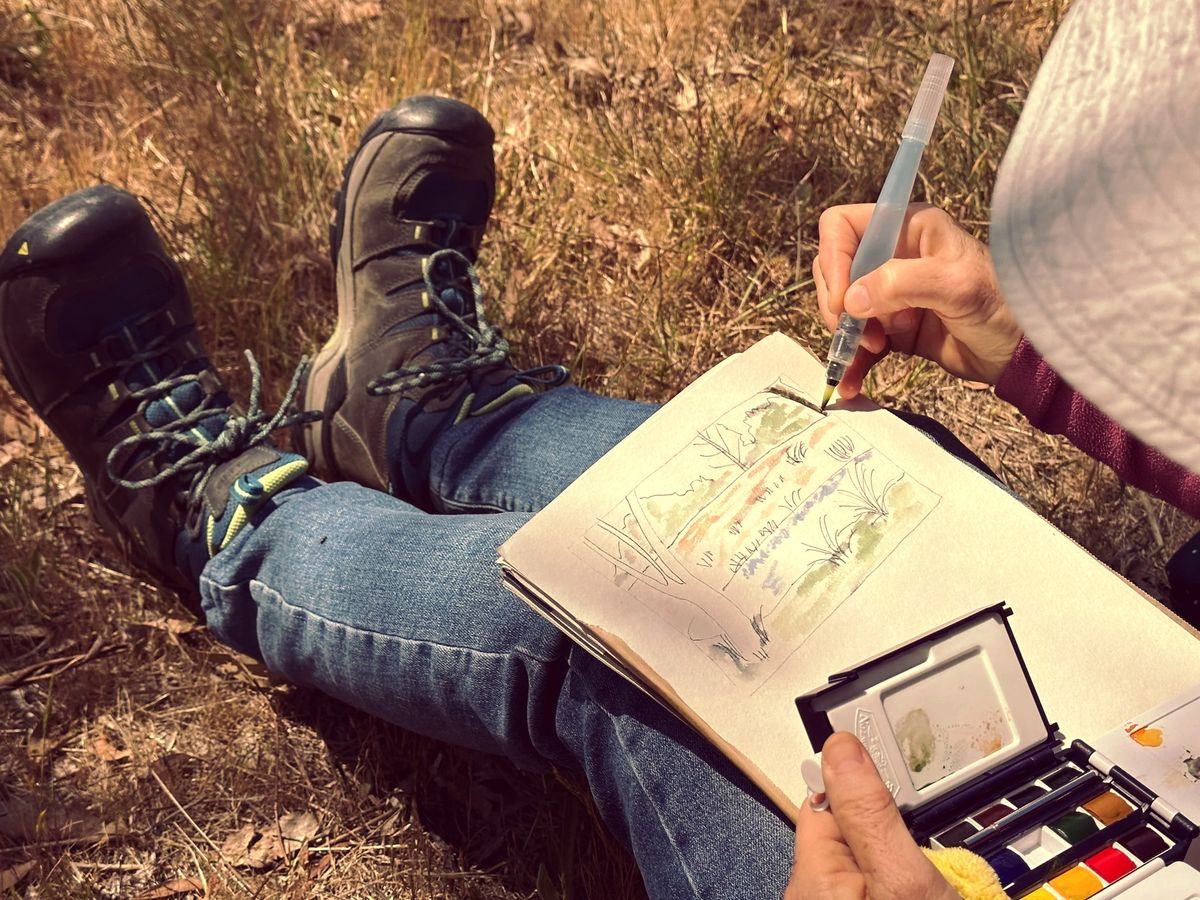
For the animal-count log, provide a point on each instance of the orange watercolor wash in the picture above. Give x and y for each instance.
(1148, 737)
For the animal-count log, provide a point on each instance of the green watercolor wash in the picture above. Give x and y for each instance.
(915, 736)
(672, 512)
(779, 422)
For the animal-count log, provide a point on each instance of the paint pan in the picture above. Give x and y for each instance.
(1108, 807)
(1075, 826)
(1039, 846)
(1106, 873)
(1026, 795)
(1077, 883)
(955, 727)
(1145, 843)
(954, 836)
(1008, 865)
(1060, 777)
(992, 814)
(1111, 863)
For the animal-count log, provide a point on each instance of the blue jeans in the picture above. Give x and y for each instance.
(401, 613)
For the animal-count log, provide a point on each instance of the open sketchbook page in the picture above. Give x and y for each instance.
(745, 547)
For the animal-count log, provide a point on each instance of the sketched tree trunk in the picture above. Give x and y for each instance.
(694, 608)
(723, 443)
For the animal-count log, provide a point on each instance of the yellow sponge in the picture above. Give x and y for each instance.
(967, 873)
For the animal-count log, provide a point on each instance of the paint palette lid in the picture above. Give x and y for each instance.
(938, 711)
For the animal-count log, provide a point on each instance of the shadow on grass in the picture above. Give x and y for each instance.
(537, 834)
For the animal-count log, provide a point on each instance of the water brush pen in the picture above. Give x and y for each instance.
(878, 243)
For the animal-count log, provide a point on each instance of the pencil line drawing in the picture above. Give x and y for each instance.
(757, 528)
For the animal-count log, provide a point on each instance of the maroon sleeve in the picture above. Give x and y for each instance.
(1052, 405)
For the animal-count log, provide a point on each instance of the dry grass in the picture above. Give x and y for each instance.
(662, 167)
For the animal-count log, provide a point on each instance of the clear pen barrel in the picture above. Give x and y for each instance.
(845, 341)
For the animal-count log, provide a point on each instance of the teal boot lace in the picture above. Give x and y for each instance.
(482, 342)
(189, 445)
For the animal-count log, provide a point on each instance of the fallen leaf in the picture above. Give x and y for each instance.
(11, 877)
(320, 867)
(584, 67)
(40, 748)
(516, 22)
(645, 254)
(603, 233)
(173, 888)
(296, 828)
(244, 848)
(107, 751)
(687, 99)
(976, 385)
(255, 849)
(28, 822)
(353, 13)
(173, 626)
(587, 78)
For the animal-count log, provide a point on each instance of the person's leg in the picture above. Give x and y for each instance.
(401, 613)
(338, 586)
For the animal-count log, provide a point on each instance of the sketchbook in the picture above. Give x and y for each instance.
(740, 546)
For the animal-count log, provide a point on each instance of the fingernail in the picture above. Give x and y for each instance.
(842, 753)
(858, 301)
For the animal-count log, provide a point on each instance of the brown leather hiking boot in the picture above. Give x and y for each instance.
(412, 353)
(97, 334)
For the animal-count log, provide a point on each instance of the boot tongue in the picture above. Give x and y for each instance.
(179, 402)
(456, 301)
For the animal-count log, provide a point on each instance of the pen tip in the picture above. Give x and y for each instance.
(828, 394)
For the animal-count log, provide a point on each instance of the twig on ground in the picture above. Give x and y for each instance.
(37, 671)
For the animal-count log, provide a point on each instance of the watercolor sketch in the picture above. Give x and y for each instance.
(758, 527)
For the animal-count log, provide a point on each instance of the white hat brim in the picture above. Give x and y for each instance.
(1095, 231)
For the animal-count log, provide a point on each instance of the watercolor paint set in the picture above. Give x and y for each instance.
(958, 734)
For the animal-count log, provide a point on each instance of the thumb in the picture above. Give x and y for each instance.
(901, 284)
(889, 859)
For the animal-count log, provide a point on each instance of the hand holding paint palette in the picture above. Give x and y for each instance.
(958, 734)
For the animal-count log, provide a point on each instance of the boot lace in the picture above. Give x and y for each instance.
(483, 345)
(202, 453)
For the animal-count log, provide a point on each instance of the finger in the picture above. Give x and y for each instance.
(840, 230)
(824, 867)
(823, 295)
(856, 373)
(900, 323)
(874, 337)
(870, 823)
(904, 284)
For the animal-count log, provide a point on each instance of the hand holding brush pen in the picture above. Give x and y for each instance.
(878, 243)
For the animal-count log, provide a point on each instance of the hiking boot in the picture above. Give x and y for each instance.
(97, 334)
(412, 353)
